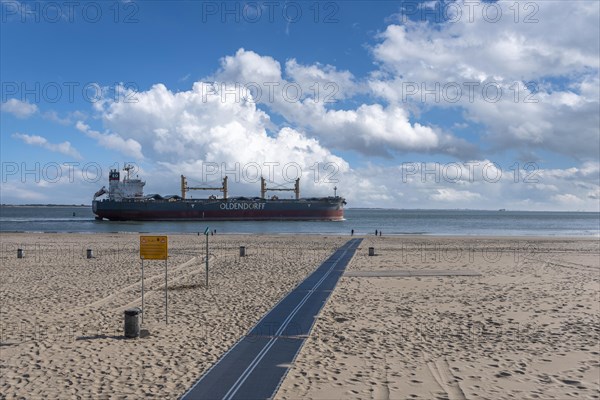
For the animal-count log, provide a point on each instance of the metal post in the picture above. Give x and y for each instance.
(166, 297)
(206, 260)
(143, 309)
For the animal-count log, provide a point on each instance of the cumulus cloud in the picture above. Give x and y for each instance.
(324, 82)
(478, 48)
(306, 101)
(18, 108)
(113, 141)
(531, 85)
(188, 129)
(36, 140)
(474, 184)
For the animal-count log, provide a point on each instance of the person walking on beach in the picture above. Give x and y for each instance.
(375, 232)
(352, 232)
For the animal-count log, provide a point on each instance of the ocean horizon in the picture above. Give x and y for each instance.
(364, 221)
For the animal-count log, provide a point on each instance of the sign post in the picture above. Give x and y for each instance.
(143, 292)
(155, 248)
(206, 234)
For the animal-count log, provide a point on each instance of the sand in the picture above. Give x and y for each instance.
(527, 327)
(61, 314)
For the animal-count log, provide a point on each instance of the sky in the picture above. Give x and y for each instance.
(390, 104)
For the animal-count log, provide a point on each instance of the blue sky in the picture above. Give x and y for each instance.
(380, 132)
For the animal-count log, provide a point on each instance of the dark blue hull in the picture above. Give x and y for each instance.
(233, 209)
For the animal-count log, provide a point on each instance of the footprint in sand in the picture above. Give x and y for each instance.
(440, 370)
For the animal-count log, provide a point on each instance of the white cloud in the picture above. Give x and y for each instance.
(21, 192)
(559, 53)
(370, 129)
(454, 196)
(66, 120)
(248, 66)
(35, 140)
(477, 49)
(113, 141)
(187, 129)
(18, 108)
(324, 82)
(54, 117)
(567, 199)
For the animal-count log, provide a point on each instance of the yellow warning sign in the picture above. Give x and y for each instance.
(153, 247)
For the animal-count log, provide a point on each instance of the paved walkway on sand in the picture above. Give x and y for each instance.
(256, 365)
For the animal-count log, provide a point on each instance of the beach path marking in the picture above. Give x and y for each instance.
(257, 364)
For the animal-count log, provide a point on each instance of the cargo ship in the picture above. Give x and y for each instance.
(125, 201)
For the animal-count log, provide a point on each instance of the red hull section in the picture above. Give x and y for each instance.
(217, 215)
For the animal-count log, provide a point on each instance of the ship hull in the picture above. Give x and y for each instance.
(329, 209)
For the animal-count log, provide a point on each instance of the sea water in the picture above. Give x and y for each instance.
(363, 221)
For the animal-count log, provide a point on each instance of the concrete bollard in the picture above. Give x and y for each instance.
(20, 253)
(89, 253)
(242, 251)
(371, 251)
(132, 322)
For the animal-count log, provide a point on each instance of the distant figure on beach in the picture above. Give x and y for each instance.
(375, 232)
(380, 232)
(215, 231)
(352, 232)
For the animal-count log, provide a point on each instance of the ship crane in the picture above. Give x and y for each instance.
(185, 187)
(264, 188)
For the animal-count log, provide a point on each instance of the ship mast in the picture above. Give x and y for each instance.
(185, 187)
(264, 188)
(127, 168)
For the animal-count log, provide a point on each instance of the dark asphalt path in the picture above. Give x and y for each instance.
(256, 365)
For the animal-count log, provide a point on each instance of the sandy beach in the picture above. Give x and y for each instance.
(62, 314)
(527, 326)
